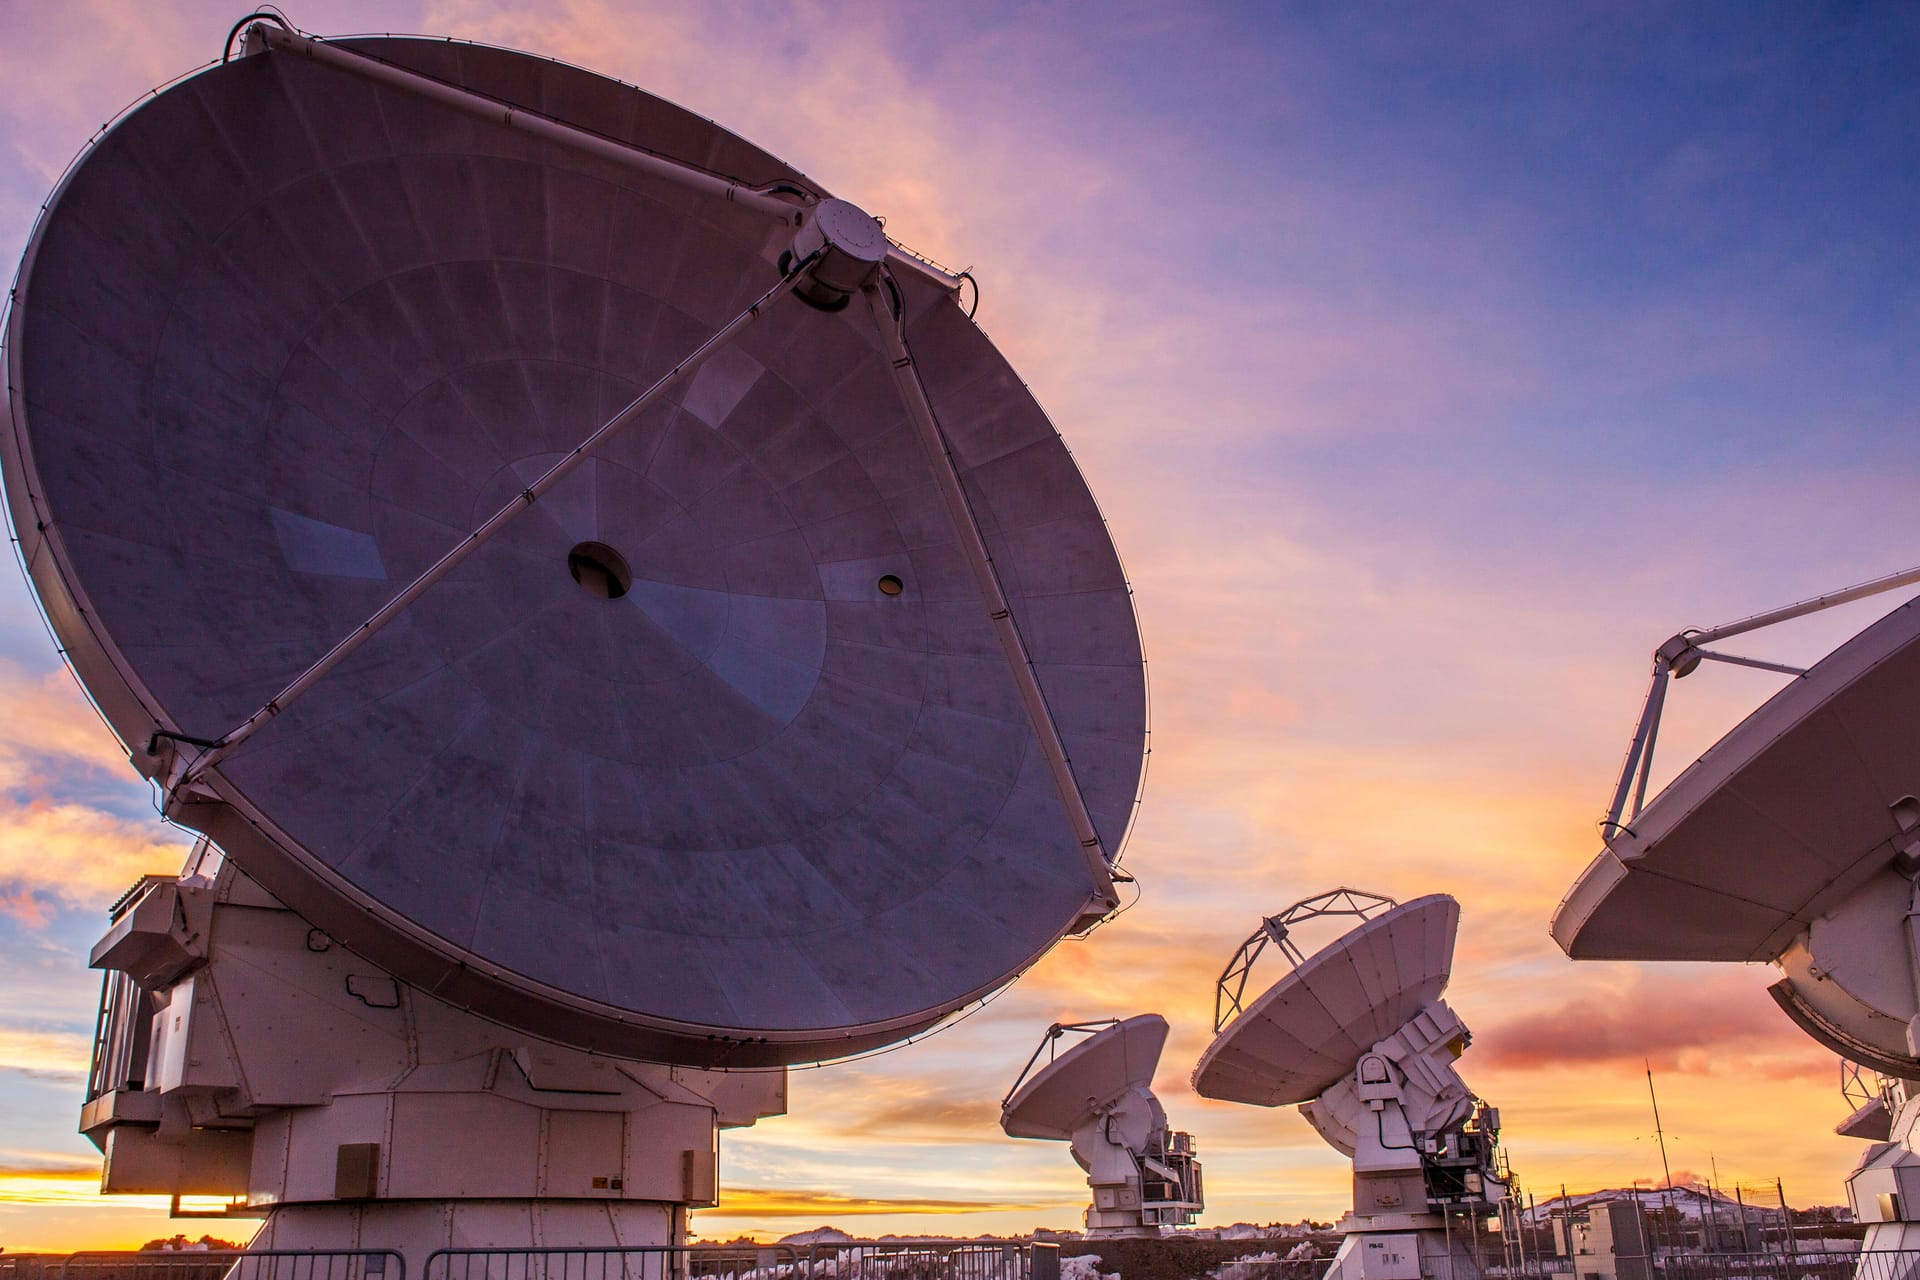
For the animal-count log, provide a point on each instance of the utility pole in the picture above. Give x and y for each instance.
(1659, 1134)
(1713, 1161)
(1793, 1246)
(1533, 1216)
(1713, 1209)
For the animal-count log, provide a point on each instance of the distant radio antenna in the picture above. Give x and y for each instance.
(1357, 1037)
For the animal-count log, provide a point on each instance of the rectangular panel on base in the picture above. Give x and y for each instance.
(1390, 1257)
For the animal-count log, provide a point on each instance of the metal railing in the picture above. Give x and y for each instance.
(1800, 1263)
(894, 1260)
(1797, 1264)
(30, 1266)
(1271, 1266)
(640, 1262)
(901, 1260)
(925, 1260)
(231, 1264)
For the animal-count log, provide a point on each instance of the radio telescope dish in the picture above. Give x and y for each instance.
(1791, 840)
(800, 713)
(1098, 1095)
(1358, 1037)
(1306, 1032)
(1790, 813)
(1058, 1098)
(1795, 839)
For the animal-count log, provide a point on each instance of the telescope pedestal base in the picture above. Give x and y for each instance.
(1891, 1237)
(415, 1228)
(1132, 1231)
(1407, 1247)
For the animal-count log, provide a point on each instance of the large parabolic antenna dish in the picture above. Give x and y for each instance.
(1786, 817)
(1062, 1095)
(711, 755)
(1792, 840)
(1306, 1032)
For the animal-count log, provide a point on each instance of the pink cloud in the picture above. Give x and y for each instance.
(25, 906)
(1699, 1025)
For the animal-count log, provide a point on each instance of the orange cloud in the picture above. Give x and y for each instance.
(33, 1177)
(781, 1202)
(64, 853)
(76, 855)
(51, 721)
(49, 1054)
(25, 907)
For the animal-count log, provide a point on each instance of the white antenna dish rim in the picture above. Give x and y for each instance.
(1312, 1025)
(1111, 1060)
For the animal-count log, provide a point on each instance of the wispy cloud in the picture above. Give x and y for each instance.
(46, 1177)
(781, 1202)
(58, 848)
(18, 1163)
(46, 1054)
(74, 855)
(53, 728)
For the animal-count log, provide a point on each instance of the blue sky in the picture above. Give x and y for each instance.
(1431, 362)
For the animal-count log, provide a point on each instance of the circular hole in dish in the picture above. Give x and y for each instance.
(600, 570)
(891, 586)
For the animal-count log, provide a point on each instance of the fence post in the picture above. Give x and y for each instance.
(1043, 1261)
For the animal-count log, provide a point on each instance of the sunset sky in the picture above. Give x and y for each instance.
(1432, 364)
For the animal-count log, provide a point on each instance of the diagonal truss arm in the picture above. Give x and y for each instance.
(546, 128)
(346, 646)
(973, 548)
(1679, 656)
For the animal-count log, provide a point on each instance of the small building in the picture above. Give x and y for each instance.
(1612, 1243)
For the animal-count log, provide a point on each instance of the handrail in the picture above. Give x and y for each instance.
(617, 1262)
(234, 1264)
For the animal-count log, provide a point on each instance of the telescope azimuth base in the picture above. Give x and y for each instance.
(245, 1054)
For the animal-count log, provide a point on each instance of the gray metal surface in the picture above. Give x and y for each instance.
(286, 336)
(1310, 1028)
(1780, 822)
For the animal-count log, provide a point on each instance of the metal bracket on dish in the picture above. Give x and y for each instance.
(1682, 653)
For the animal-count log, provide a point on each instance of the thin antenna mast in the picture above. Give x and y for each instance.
(1659, 1135)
